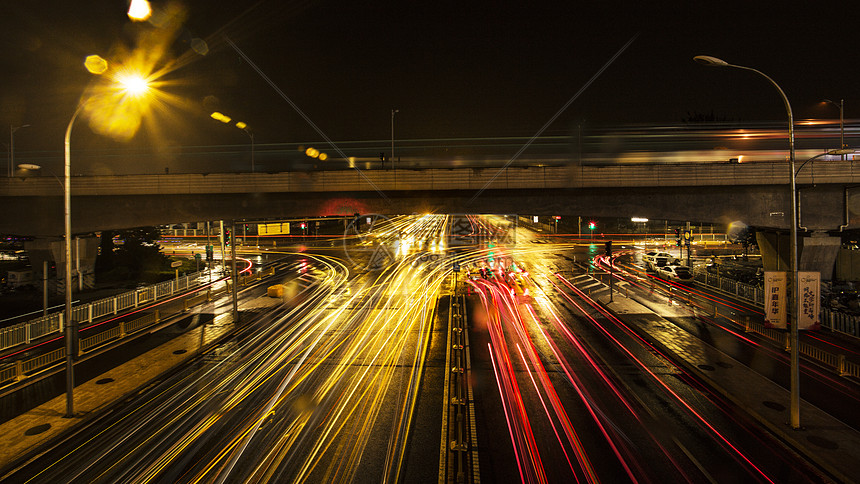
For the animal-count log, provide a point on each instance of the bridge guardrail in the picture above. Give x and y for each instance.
(26, 368)
(24, 333)
(612, 175)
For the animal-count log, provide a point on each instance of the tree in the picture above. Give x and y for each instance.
(138, 257)
(743, 235)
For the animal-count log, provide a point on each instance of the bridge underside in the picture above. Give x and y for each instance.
(825, 207)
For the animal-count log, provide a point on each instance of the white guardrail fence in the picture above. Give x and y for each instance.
(25, 368)
(26, 332)
(834, 320)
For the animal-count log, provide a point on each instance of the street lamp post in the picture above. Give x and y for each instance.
(794, 336)
(841, 107)
(71, 327)
(393, 112)
(134, 85)
(12, 130)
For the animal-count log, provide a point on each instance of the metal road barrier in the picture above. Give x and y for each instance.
(747, 292)
(458, 460)
(844, 323)
(836, 362)
(26, 332)
(142, 322)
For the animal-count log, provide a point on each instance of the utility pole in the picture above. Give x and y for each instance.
(393, 112)
(235, 276)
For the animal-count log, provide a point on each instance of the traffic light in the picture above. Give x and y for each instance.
(608, 248)
(227, 236)
(303, 225)
(210, 253)
(592, 225)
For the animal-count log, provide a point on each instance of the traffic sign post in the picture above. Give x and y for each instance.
(688, 238)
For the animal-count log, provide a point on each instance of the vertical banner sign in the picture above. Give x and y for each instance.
(775, 299)
(810, 300)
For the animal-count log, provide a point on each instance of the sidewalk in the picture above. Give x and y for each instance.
(23, 435)
(822, 439)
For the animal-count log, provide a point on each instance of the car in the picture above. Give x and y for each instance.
(655, 259)
(676, 273)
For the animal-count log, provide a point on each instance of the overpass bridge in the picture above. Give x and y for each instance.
(755, 193)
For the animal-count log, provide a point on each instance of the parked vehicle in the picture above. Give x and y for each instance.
(654, 260)
(676, 273)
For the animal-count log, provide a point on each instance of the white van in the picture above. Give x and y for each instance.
(655, 259)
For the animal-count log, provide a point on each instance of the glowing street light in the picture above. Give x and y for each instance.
(139, 10)
(220, 117)
(132, 84)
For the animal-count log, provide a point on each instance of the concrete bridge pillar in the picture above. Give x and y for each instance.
(775, 250)
(816, 253)
(819, 253)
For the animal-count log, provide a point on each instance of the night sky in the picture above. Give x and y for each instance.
(453, 69)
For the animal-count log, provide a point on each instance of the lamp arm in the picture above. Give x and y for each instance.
(807, 161)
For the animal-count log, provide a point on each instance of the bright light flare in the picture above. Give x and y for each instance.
(133, 84)
(139, 10)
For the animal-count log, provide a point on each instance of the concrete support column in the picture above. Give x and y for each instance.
(774, 247)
